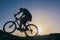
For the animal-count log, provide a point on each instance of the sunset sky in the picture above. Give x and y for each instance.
(46, 13)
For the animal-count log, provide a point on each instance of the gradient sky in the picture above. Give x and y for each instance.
(46, 13)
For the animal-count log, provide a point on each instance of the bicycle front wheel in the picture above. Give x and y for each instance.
(9, 27)
(32, 30)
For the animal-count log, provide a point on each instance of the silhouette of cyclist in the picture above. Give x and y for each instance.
(26, 16)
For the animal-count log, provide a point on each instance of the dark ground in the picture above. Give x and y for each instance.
(6, 36)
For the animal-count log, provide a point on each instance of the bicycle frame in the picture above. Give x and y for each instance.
(16, 21)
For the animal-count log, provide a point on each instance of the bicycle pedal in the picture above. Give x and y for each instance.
(18, 29)
(10, 26)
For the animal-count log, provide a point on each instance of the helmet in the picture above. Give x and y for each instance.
(21, 9)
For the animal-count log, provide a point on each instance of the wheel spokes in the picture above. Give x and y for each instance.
(32, 30)
(9, 27)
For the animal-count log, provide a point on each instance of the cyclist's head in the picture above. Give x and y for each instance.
(21, 8)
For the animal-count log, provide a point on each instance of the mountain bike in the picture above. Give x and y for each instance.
(11, 26)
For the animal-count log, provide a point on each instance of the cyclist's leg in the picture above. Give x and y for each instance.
(26, 28)
(20, 24)
(24, 23)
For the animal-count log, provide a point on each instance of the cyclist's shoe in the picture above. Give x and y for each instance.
(18, 28)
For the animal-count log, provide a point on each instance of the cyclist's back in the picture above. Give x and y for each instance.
(27, 14)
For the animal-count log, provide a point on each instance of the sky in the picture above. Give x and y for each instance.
(46, 13)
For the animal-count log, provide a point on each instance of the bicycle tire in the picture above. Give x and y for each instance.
(35, 33)
(6, 24)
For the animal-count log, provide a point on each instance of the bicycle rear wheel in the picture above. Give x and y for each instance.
(32, 30)
(9, 27)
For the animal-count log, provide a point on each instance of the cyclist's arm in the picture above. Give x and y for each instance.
(18, 13)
